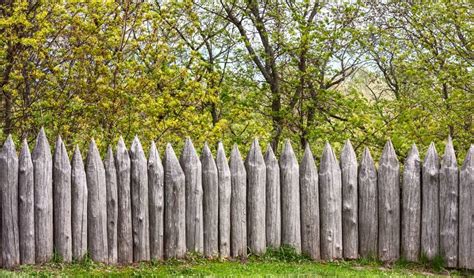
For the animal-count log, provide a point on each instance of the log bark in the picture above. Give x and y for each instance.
(224, 201)
(389, 205)
(368, 207)
(430, 204)
(330, 208)
(448, 203)
(191, 166)
(238, 216)
(411, 206)
(124, 221)
(350, 231)
(156, 202)
(210, 203)
(43, 174)
(310, 237)
(9, 235)
(140, 213)
(79, 198)
(466, 211)
(96, 206)
(175, 206)
(26, 223)
(273, 209)
(112, 208)
(62, 202)
(256, 176)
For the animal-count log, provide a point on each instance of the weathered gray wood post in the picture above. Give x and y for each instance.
(26, 194)
(156, 202)
(191, 166)
(466, 211)
(430, 204)
(310, 238)
(175, 206)
(79, 198)
(389, 204)
(448, 204)
(224, 201)
(256, 176)
(62, 202)
(124, 221)
(140, 214)
(273, 209)
(350, 227)
(112, 208)
(9, 240)
(330, 205)
(96, 206)
(43, 177)
(210, 203)
(411, 206)
(290, 198)
(368, 206)
(238, 204)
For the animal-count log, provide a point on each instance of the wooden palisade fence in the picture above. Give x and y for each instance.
(127, 208)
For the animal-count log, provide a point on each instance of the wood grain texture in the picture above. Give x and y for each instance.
(238, 213)
(156, 202)
(466, 211)
(225, 191)
(62, 202)
(79, 198)
(140, 213)
(330, 193)
(309, 190)
(256, 178)
(96, 206)
(368, 206)
(175, 206)
(290, 198)
(411, 206)
(389, 205)
(112, 207)
(26, 198)
(210, 203)
(191, 166)
(273, 200)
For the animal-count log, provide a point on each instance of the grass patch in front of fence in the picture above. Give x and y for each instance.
(283, 261)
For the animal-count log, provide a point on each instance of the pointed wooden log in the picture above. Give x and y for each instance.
(191, 166)
(368, 206)
(330, 205)
(96, 206)
(273, 209)
(9, 235)
(62, 202)
(156, 202)
(238, 204)
(79, 198)
(43, 177)
(448, 204)
(430, 204)
(140, 213)
(112, 208)
(350, 231)
(224, 189)
(290, 198)
(256, 176)
(411, 206)
(124, 221)
(210, 203)
(389, 205)
(26, 223)
(466, 212)
(309, 191)
(175, 206)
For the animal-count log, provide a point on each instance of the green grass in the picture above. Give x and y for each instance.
(281, 262)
